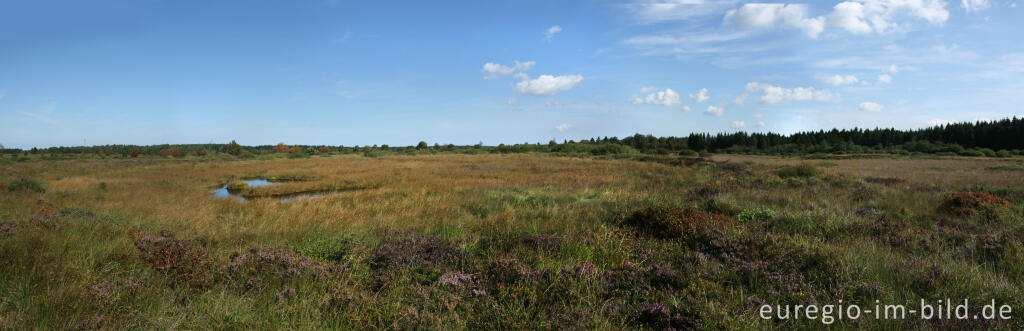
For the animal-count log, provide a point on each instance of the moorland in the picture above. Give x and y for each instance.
(503, 241)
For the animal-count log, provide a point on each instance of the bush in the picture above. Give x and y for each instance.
(802, 170)
(26, 184)
(670, 222)
(687, 152)
(968, 203)
(1004, 153)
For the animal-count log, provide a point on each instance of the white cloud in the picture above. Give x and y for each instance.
(654, 11)
(759, 115)
(937, 122)
(550, 33)
(511, 101)
(760, 123)
(775, 94)
(563, 127)
(524, 66)
(548, 85)
(884, 16)
(714, 111)
(495, 70)
(776, 15)
(701, 96)
(871, 106)
(974, 5)
(738, 125)
(838, 80)
(885, 78)
(667, 98)
(893, 69)
(686, 108)
(740, 100)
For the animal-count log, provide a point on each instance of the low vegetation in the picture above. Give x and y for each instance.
(625, 240)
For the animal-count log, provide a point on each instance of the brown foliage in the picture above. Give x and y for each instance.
(281, 148)
(968, 203)
(181, 260)
(670, 222)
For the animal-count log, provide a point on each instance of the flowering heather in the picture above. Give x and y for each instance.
(659, 317)
(969, 203)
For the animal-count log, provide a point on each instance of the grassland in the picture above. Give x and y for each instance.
(504, 242)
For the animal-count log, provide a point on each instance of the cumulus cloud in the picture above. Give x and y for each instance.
(885, 78)
(714, 111)
(776, 94)
(494, 70)
(686, 108)
(974, 5)
(667, 98)
(776, 15)
(524, 66)
(760, 123)
(701, 96)
(838, 80)
(883, 16)
(548, 85)
(563, 127)
(550, 33)
(871, 106)
(738, 125)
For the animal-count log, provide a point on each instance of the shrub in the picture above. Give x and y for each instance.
(802, 170)
(182, 260)
(670, 222)
(26, 184)
(968, 203)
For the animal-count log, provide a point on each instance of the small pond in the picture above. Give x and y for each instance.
(223, 193)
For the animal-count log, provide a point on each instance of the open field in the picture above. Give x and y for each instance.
(504, 242)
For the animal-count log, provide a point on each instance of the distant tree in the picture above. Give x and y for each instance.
(384, 147)
(234, 148)
(421, 145)
(325, 149)
(134, 153)
(294, 149)
(437, 146)
(281, 148)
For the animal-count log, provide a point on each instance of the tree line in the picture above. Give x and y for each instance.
(982, 138)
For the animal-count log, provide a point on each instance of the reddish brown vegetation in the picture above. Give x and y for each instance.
(969, 203)
(173, 151)
(671, 222)
(281, 148)
(179, 259)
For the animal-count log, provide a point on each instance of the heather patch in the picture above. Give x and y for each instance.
(971, 203)
(180, 260)
(668, 222)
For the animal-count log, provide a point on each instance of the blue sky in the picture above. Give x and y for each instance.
(374, 72)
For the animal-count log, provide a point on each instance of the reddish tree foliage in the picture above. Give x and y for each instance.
(295, 149)
(281, 148)
(967, 203)
(325, 149)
